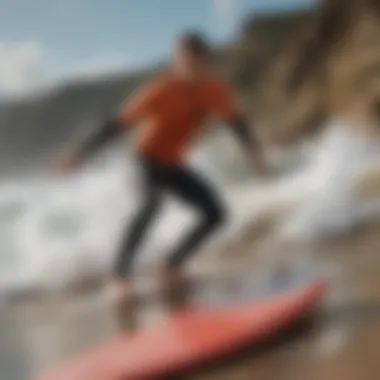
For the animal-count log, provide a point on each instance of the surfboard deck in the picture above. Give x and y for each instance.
(190, 337)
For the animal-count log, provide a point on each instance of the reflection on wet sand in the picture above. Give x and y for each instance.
(342, 344)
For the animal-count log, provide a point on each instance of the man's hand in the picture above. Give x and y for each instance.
(250, 144)
(108, 131)
(68, 165)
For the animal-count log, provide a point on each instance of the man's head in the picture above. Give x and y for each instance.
(191, 53)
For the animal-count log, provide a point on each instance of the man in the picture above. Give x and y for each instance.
(174, 107)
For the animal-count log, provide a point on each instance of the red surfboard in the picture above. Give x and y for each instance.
(190, 337)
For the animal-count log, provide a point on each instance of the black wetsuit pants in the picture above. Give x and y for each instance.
(189, 187)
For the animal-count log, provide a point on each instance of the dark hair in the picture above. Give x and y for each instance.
(196, 43)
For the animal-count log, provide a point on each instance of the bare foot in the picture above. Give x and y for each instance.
(121, 293)
(174, 285)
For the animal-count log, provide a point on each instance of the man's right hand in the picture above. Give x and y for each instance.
(68, 165)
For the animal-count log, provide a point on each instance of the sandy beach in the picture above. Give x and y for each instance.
(342, 343)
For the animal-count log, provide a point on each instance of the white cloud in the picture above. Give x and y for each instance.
(20, 67)
(26, 67)
(98, 66)
(225, 11)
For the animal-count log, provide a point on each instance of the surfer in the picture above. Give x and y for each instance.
(174, 106)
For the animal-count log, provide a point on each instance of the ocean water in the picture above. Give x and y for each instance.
(331, 206)
(53, 232)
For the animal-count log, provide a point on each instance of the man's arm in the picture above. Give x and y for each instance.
(135, 109)
(223, 105)
(109, 131)
(243, 134)
(249, 142)
(105, 134)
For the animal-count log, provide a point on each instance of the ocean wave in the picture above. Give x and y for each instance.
(54, 232)
(333, 206)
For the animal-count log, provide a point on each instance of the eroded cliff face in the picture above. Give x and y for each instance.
(330, 67)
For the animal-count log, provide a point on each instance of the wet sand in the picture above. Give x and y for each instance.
(343, 342)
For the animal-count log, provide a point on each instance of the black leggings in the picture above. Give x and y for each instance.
(189, 187)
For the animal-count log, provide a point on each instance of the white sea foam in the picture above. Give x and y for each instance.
(54, 232)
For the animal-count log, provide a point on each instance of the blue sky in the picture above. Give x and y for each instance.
(47, 39)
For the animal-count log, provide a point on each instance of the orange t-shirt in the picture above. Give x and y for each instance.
(173, 112)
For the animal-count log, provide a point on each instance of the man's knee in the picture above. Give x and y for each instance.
(149, 207)
(215, 217)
